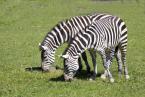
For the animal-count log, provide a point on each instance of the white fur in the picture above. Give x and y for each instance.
(103, 76)
(44, 47)
(111, 80)
(65, 56)
(127, 76)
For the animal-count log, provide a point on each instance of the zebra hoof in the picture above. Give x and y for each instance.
(127, 77)
(112, 80)
(90, 79)
(103, 76)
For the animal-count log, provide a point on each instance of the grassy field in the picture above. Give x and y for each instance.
(24, 23)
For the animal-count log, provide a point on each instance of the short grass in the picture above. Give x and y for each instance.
(24, 23)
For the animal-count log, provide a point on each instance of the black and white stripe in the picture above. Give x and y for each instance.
(103, 36)
(65, 32)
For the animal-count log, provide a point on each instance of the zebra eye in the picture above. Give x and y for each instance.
(43, 54)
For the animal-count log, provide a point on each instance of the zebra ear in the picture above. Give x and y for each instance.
(65, 56)
(42, 47)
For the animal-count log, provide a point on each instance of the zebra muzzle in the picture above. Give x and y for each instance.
(68, 78)
(48, 68)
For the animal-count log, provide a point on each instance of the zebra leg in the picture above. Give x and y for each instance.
(84, 56)
(106, 62)
(123, 53)
(80, 64)
(110, 56)
(119, 61)
(93, 55)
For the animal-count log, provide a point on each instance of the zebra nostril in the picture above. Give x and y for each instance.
(45, 68)
(67, 78)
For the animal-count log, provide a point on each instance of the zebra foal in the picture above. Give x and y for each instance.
(102, 36)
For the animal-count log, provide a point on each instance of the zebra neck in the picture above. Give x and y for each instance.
(60, 34)
(50, 44)
(75, 52)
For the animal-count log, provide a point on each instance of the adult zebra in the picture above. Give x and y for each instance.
(65, 32)
(102, 36)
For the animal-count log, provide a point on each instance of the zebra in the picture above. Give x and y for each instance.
(65, 31)
(102, 36)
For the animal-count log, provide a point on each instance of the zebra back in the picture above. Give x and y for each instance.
(66, 30)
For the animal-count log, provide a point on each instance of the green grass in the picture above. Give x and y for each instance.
(24, 23)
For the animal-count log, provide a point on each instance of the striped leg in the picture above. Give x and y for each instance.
(117, 53)
(84, 56)
(119, 61)
(93, 55)
(123, 53)
(110, 56)
(106, 62)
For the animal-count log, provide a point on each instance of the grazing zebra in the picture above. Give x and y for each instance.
(103, 36)
(65, 32)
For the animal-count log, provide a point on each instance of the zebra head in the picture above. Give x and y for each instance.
(47, 58)
(70, 67)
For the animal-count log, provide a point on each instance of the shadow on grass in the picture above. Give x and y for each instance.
(83, 75)
(57, 79)
(39, 69)
(31, 69)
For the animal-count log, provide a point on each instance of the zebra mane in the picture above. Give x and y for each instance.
(57, 25)
(60, 23)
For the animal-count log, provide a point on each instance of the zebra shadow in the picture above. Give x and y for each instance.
(31, 69)
(57, 79)
(83, 75)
